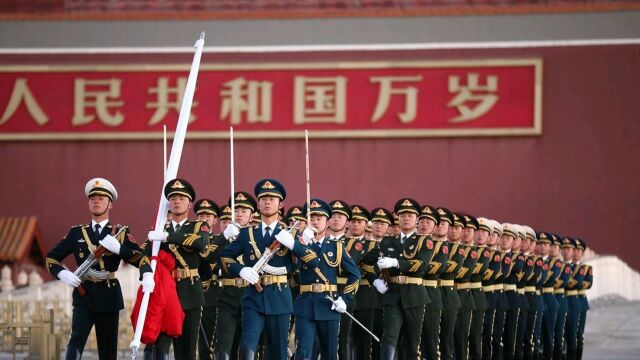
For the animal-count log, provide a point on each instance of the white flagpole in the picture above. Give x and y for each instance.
(171, 173)
(233, 181)
(164, 148)
(306, 152)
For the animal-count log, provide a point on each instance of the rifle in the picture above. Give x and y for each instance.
(268, 254)
(92, 259)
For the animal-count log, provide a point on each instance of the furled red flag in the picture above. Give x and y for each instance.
(164, 313)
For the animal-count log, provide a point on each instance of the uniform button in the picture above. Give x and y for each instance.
(317, 280)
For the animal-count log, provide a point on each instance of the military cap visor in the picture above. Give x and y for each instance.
(243, 199)
(381, 214)
(226, 213)
(360, 213)
(206, 206)
(568, 243)
(100, 186)
(318, 207)
(296, 213)
(407, 205)
(179, 187)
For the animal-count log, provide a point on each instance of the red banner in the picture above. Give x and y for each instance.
(356, 99)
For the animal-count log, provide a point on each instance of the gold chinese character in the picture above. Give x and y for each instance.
(410, 94)
(479, 95)
(100, 95)
(163, 105)
(251, 97)
(21, 93)
(320, 100)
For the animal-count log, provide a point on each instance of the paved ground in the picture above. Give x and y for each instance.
(612, 332)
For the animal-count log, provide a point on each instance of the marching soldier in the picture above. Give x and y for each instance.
(270, 308)
(188, 242)
(553, 265)
(493, 288)
(564, 247)
(97, 297)
(517, 261)
(229, 320)
(369, 311)
(574, 304)
(354, 246)
(438, 220)
(315, 314)
(404, 259)
(208, 211)
(581, 246)
(521, 245)
(295, 213)
(463, 285)
(480, 301)
(450, 298)
(534, 263)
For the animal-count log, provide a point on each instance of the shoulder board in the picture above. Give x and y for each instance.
(80, 225)
(257, 227)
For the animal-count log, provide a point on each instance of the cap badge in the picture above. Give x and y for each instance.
(205, 204)
(241, 197)
(338, 205)
(407, 202)
(268, 185)
(177, 185)
(314, 204)
(296, 211)
(380, 212)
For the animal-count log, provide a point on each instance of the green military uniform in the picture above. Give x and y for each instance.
(512, 282)
(467, 304)
(450, 298)
(480, 300)
(405, 258)
(437, 265)
(355, 248)
(188, 243)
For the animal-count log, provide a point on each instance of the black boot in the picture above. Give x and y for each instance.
(387, 351)
(221, 355)
(246, 354)
(72, 353)
(579, 350)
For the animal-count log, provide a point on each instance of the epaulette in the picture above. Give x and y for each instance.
(80, 225)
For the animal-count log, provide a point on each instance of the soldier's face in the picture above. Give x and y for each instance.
(179, 204)
(99, 204)
(268, 205)
(545, 248)
(526, 244)
(554, 250)
(243, 215)
(468, 235)
(319, 222)
(567, 253)
(408, 221)
(455, 233)
(493, 239)
(379, 228)
(338, 222)
(223, 224)
(426, 226)
(577, 254)
(211, 219)
(506, 242)
(357, 227)
(443, 228)
(517, 243)
(481, 236)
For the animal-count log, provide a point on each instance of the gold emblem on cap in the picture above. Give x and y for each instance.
(97, 183)
(177, 185)
(296, 211)
(268, 185)
(427, 210)
(441, 212)
(205, 203)
(241, 197)
(314, 204)
(338, 205)
(467, 219)
(226, 209)
(356, 210)
(381, 212)
(407, 202)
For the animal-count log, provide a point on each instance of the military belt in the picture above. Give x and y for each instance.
(404, 280)
(582, 292)
(445, 282)
(364, 282)
(430, 283)
(463, 286)
(520, 291)
(572, 292)
(273, 279)
(235, 282)
(530, 289)
(342, 280)
(179, 274)
(475, 285)
(548, 290)
(318, 288)
(559, 291)
(103, 276)
(488, 288)
(510, 287)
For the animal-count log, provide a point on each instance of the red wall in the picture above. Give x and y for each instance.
(579, 178)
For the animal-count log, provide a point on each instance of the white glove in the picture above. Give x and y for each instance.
(339, 305)
(380, 285)
(285, 239)
(68, 278)
(308, 236)
(387, 262)
(275, 270)
(250, 275)
(111, 244)
(231, 231)
(148, 284)
(157, 235)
